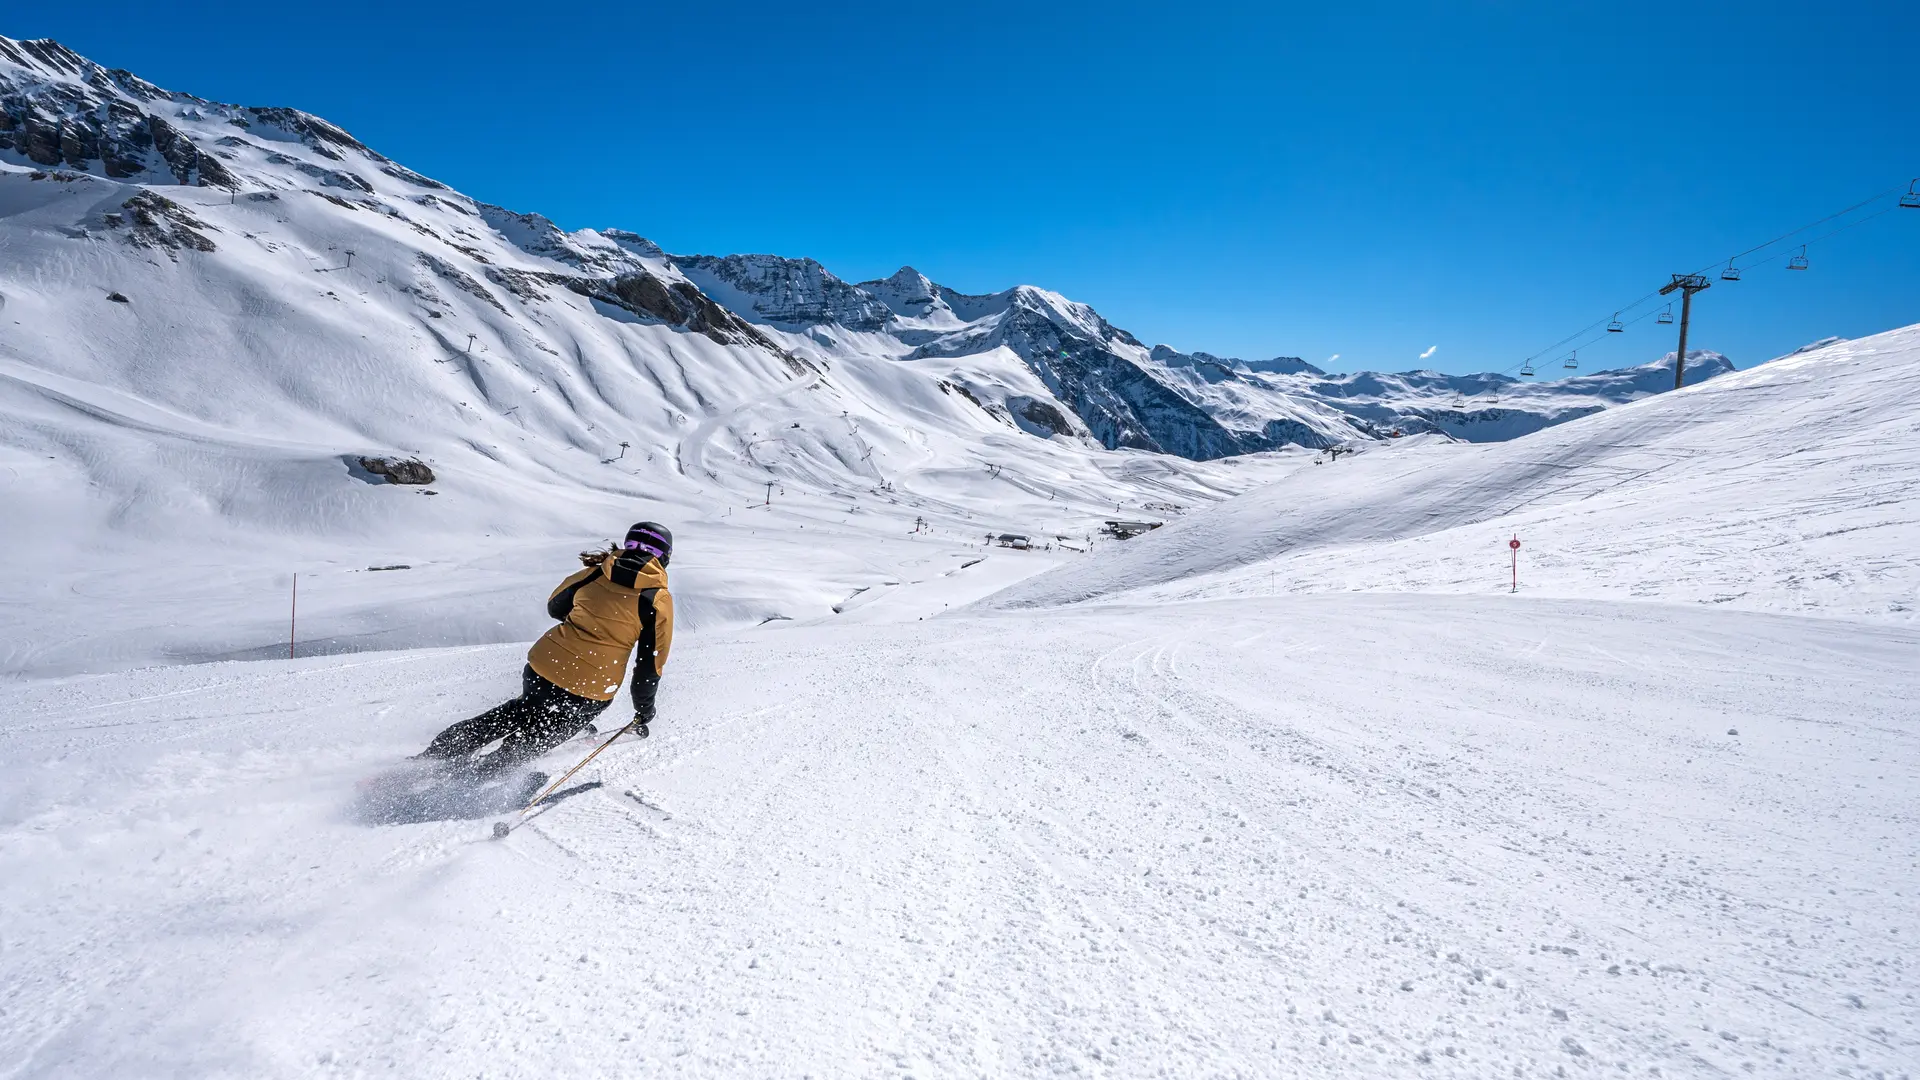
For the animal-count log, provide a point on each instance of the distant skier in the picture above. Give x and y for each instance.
(618, 602)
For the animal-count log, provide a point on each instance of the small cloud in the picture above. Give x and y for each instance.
(1332, 358)
(1431, 349)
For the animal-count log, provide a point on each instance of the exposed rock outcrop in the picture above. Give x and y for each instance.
(461, 280)
(1039, 417)
(677, 303)
(59, 108)
(790, 292)
(398, 470)
(155, 221)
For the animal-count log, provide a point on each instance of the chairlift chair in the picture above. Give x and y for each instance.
(1731, 273)
(1798, 262)
(1911, 200)
(1526, 370)
(1616, 326)
(1572, 362)
(1665, 316)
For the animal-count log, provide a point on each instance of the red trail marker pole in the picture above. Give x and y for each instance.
(1514, 546)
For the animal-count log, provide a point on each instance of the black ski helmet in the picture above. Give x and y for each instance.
(653, 538)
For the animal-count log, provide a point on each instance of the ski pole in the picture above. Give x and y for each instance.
(583, 764)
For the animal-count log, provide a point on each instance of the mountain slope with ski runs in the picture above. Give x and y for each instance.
(210, 313)
(1293, 786)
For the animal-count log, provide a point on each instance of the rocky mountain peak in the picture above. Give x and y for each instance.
(47, 56)
(59, 109)
(606, 253)
(1279, 365)
(1704, 360)
(793, 292)
(1282, 365)
(907, 292)
(634, 242)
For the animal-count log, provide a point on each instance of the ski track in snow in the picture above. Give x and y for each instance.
(1334, 836)
(691, 452)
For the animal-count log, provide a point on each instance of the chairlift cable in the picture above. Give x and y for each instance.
(1603, 334)
(1589, 328)
(1894, 190)
(1784, 252)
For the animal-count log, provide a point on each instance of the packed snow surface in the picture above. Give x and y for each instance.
(1301, 836)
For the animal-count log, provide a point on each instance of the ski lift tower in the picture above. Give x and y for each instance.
(1686, 285)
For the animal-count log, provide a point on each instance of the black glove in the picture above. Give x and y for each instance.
(645, 685)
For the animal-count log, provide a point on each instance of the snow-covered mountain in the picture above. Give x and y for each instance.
(1031, 359)
(191, 372)
(209, 313)
(1108, 387)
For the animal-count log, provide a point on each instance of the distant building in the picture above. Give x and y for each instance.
(1014, 540)
(1122, 530)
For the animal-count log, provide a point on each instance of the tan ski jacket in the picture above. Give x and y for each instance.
(605, 612)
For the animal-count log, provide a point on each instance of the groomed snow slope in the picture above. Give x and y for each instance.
(1792, 486)
(1315, 837)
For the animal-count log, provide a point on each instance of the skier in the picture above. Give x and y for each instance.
(573, 672)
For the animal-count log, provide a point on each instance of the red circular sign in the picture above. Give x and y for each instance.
(1514, 543)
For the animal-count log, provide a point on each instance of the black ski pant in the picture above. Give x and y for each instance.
(541, 718)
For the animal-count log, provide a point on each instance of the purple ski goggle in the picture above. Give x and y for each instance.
(652, 549)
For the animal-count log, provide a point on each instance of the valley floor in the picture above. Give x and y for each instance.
(1333, 836)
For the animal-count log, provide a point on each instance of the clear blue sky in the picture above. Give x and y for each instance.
(1371, 181)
